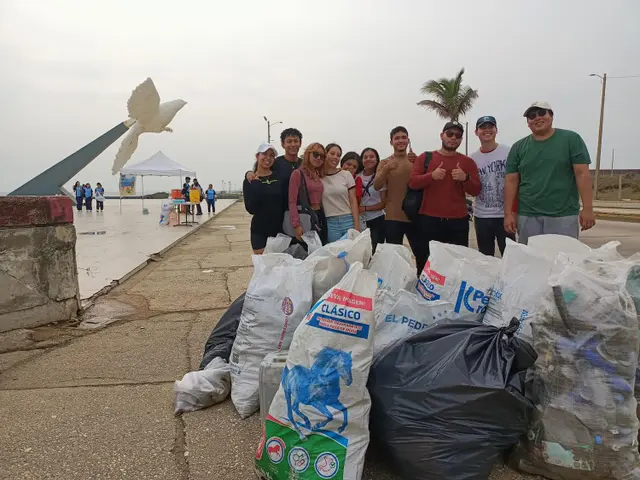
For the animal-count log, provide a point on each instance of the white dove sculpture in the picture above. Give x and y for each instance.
(146, 114)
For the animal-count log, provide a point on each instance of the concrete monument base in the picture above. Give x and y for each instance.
(38, 272)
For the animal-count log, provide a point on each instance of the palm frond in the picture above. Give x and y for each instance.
(436, 107)
(458, 80)
(433, 88)
(465, 100)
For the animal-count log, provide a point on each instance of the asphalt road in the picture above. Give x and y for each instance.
(627, 233)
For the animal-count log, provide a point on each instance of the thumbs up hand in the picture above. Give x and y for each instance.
(458, 174)
(411, 156)
(439, 173)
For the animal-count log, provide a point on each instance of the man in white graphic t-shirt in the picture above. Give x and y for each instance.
(488, 209)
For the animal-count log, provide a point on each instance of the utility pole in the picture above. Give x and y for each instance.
(613, 156)
(269, 125)
(466, 138)
(599, 150)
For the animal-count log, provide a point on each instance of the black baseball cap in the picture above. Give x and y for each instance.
(450, 125)
(486, 119)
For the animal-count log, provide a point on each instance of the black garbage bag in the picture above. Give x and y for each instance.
(448, 401)
(223, 334)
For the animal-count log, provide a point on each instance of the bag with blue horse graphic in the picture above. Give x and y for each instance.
(318, 422)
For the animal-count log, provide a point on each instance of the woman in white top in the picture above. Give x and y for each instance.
(373, 201)
(339, 200)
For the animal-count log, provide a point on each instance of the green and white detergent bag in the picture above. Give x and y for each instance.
(318, 423)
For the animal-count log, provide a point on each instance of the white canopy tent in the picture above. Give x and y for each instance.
(158, 165)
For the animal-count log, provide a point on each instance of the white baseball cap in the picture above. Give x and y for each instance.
(538, 104)
(266, 146)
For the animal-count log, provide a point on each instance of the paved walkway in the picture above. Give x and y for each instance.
(89, 404)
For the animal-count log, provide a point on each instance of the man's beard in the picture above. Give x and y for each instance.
(449, 149)
(401, 150)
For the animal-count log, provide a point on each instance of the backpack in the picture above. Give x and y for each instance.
(413, 198)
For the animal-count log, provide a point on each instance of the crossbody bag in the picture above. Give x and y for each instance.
(308, 217)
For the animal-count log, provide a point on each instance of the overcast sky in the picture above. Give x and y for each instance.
(343, 71)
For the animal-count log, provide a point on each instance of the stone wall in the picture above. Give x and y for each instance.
(38, 271)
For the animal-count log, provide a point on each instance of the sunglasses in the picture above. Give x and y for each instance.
(451, 134)
(540, 112)
(318, 155)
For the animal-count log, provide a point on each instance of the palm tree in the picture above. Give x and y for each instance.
(452, 99)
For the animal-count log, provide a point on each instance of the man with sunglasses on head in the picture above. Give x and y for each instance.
(450, 176)
(488, 208)
(547, 170)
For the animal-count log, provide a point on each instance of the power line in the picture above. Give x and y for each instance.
(627, 76)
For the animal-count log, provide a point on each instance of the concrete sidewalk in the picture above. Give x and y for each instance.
(80, 403)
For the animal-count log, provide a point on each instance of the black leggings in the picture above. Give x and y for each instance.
(376, 226)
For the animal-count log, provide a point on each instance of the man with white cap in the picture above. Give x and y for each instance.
(263, 198)
(547, 170)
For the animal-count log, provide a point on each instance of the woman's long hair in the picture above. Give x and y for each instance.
(306, 159)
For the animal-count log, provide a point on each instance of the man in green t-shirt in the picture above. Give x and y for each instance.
(546, 171)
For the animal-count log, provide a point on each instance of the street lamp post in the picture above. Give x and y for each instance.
(269, 125)
(466, 138)
(599, 150)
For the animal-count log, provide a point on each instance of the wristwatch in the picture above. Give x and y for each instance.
(466, 177)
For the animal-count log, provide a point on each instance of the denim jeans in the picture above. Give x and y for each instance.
(337, 226)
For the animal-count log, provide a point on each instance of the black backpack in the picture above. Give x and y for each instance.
(413, 198)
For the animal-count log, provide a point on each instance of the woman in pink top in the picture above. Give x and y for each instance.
(312, 169)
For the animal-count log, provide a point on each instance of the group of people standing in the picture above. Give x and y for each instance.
(529, 189)
(85, 195)
(209, 195)
(324, 191)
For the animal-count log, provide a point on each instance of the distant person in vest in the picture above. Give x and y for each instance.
(211, 199)
(79, 191)
(196, 184)
(88, 197)
(99, 197)
(549, 172)
(185, 192)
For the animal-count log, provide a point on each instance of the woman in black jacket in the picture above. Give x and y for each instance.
(263, 198)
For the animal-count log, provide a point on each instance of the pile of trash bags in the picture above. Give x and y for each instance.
(585, 425)
(330, 342)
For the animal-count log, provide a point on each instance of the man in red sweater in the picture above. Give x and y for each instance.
(449, 176)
